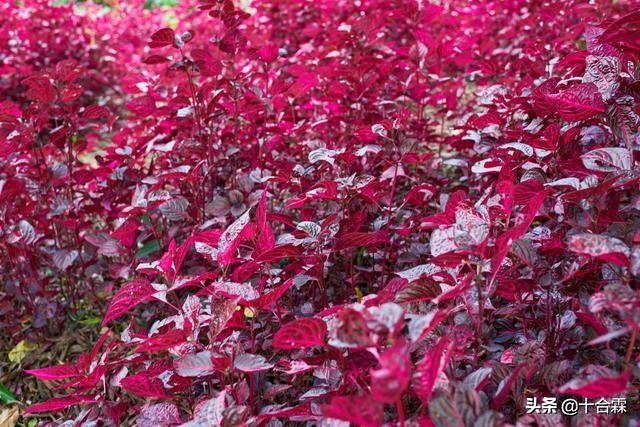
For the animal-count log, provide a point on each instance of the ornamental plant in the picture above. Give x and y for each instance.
(372, 212)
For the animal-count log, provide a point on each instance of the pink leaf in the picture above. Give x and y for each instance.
(608, 159)
(505, 386)
(421, 325)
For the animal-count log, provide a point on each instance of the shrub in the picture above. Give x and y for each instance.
(381, 211)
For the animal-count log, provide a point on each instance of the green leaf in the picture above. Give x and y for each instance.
(6, 396)
(21, 350)
(90, 321)
(148, 248)
(81, 319)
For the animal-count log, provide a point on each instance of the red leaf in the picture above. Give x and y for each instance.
(94, 112)
(261, 212)
(59, 372)
(59, 403)
(127, 232)
(430, 367)
(130, 295)
(392, 378)
(591, 320)
(580, 102)
(352, 331)
(301, 333)
(40, 89)
(603, 386)
(278, 253)
(355, 239)
(163, 37)
(143, 386)
(70, 93)
(506, 239)
(360, 410)
(272, 296)
(505, 386)
(155, 59)
(268, 53)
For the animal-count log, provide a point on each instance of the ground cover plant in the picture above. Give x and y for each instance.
(332, 213)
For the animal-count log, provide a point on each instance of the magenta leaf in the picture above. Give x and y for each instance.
(579, 102)
(279, 252)
(300, 333)
(59, 403)
(391, 379)
(144, 386)
(127, 297)
(59, 372)
(600, 386)
(40, 89)
(355, 239)
(431, 365)
(359, 410)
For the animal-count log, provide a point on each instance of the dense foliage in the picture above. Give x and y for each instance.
(322, 212)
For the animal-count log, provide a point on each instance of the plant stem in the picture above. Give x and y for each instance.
(400, 408)
(388, 225)
(632, 344)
